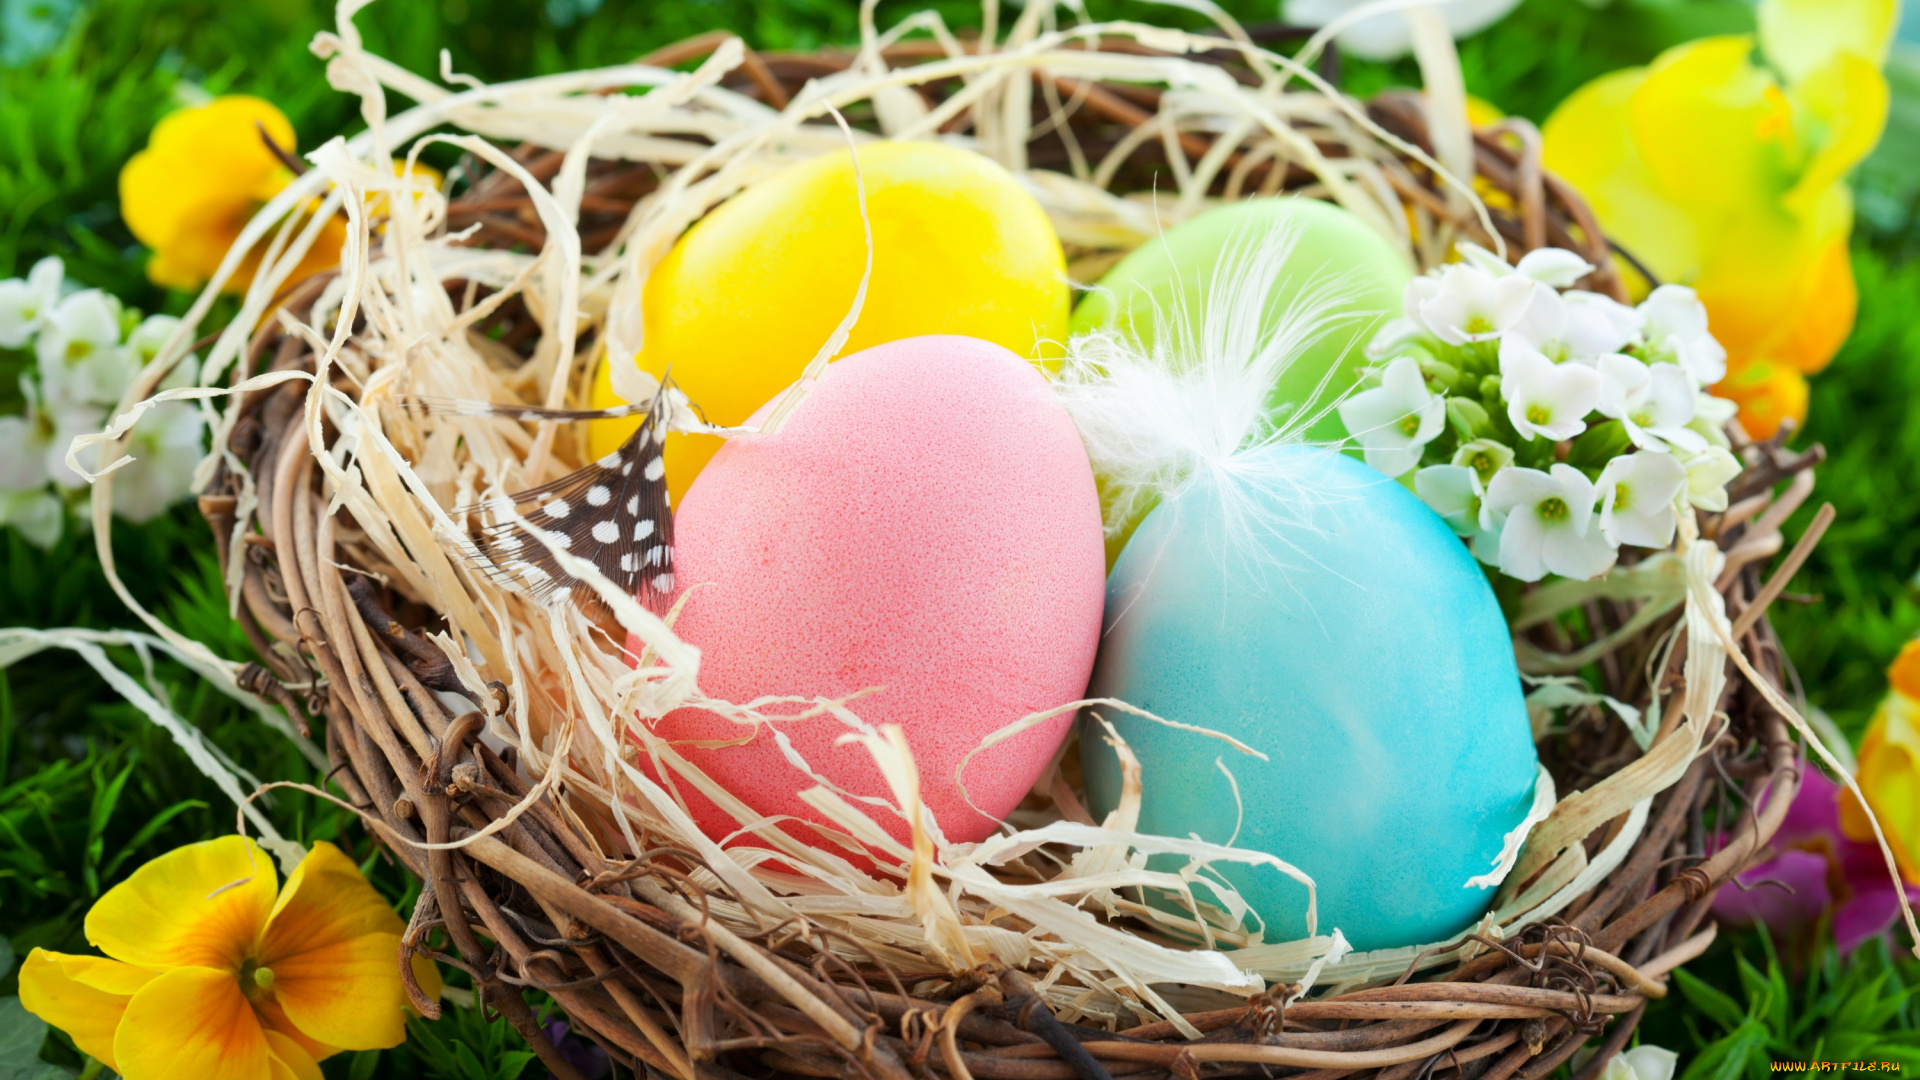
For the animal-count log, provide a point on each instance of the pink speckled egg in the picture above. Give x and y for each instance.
(925, 522)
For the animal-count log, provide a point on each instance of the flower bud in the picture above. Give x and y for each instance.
(1889, 773)
(1440, 375)
(1468, 418)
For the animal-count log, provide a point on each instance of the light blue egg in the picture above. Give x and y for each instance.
(1315, 610)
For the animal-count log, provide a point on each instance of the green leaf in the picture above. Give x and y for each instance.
(21, 1034)
(513, 1063)
(1598, 445)
(105, 798)
(1765, 1001)
(148, 830)
(1722, 1009)
(1726, 1059)
(1468, 418)
(470, 1066)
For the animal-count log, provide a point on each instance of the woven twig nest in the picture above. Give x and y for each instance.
(550, 865)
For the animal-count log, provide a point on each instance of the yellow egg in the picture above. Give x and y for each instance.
(750, 293)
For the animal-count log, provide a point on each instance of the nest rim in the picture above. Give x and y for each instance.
(637, 964)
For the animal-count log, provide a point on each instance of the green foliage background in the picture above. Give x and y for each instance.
(89, 789)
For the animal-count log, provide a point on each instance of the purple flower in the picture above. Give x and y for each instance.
(1825, 871)
(582, 1054)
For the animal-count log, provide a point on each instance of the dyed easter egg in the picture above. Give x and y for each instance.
(924, 522)
(1174, 274)
(751, 291)
(1325, 617)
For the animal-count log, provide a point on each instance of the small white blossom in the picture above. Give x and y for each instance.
(81, 361)
(1550, 525)
(1545, 399)
(1395, 333)
(1456, 494)
(1637, 493)
(1565, 327)
(1676, 331)
(1654, 402)
(38, 515)
(25, 502)
(1710, 417)
(23, 453)
(1465, 303)
(81, 324)
(1707, 475)
(1397, 419)
(165, 447)
(1555, 267)
(1388, 33)
(1486, 546)
(145, 343)
(83, 369)
(1626, 320)
(1476, 256)
(147, 339)
(24, 303)
(1643, 1062)
(1484, 456)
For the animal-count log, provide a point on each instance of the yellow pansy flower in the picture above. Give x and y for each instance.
(1729, 177)
(204, 174)
(213, 974)
(1889, 771)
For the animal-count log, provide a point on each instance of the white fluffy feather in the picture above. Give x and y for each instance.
(1196, 401)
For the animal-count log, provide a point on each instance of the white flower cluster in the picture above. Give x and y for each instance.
(1546, 424)
(85, 350)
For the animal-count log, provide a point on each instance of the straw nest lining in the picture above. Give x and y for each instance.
(556, 863)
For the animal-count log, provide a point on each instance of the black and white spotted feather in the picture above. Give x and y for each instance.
(615, 512)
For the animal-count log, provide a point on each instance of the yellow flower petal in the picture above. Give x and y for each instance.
(191, 1023)
(1826, 308)
(427, 974)
(1780, 289)
(1587, 143)
(150, 204)
(274, 1019)
(1904, 674)
(204, 173)
(334, 947)
(202, 905)
(1843, 104)
(1888, 777)
(84, 996)
(288, 1060)
(1712, 129)
(196, 157)
(1801, 35)
(346, 994)
(325, 898)
(1715, 177)
(1768, 393)
(1750, 281)
(223, 137)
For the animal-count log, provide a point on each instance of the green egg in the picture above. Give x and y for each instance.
(1177, 269)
